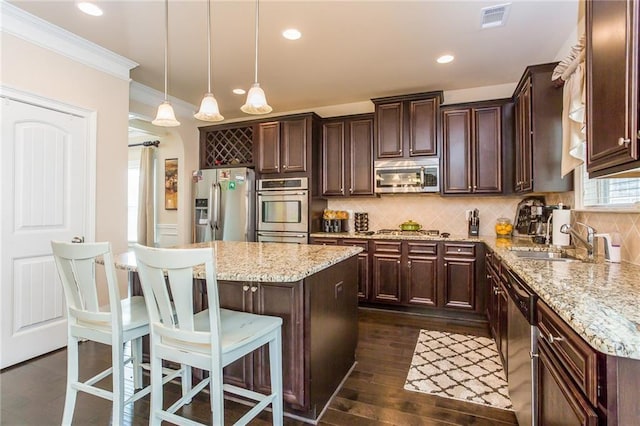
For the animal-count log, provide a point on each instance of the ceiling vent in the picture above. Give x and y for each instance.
(495, 16)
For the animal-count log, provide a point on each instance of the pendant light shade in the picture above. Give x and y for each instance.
(209, 110)
(256, 99)
(165, 116)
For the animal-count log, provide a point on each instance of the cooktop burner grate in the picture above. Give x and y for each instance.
(430, 232)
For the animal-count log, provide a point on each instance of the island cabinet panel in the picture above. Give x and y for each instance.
(284, 300)
(612, 86)
(387, 272)
(407, 126)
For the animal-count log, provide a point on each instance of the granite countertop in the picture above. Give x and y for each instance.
(261, 262)
(599, 300)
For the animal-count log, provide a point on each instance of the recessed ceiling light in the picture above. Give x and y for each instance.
(291, 34)
(89, 8)
(239, 91)
(445, 59)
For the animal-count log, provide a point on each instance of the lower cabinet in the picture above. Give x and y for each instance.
(278, 299)
(497, 300)
(568, 378)
(418, 273)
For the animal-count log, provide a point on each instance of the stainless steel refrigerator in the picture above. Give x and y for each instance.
(224, 205)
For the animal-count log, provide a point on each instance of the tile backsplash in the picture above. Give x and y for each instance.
(448, 215)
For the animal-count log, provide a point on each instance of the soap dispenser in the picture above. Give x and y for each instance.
(611, 246)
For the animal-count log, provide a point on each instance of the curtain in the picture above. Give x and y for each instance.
(146, 198)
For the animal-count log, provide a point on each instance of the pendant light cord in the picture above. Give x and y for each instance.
(166, 45)
(257, 25)
(209, 45)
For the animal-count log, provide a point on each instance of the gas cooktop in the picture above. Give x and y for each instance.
(429, 232)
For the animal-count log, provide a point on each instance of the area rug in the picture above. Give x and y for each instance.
(458, 366)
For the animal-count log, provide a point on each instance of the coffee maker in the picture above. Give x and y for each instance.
(531, 217)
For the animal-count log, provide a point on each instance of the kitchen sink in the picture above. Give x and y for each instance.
(545, 255)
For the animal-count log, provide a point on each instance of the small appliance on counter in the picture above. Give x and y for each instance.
(361, 222)
(530, 216)
(335, 221)
(473, 221)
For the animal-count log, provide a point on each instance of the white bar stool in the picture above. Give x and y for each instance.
(209, 340)
(115, 324)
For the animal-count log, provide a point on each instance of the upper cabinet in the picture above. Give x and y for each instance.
(284, 146)
(407, 126)
(475, 139)
(612, 87)
(347, 156)
(538, 133)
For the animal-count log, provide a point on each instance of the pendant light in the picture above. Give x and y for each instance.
(256, 99)
(209, 110)
(166, 117)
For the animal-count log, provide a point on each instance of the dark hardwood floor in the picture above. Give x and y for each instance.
(32, 393)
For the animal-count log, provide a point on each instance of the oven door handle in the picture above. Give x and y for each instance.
(280, 193)
(262, 234)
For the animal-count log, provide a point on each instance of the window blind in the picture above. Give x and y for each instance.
(602, 192)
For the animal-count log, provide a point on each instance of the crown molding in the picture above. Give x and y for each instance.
(152, 97)
(21, 24)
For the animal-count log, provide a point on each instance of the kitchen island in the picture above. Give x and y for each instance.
(312, 288)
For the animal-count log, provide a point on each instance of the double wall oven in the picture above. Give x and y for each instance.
(283, 208)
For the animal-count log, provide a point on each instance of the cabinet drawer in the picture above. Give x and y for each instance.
(422, 248)
(453, 249)
(577, 357)
(387, 246)
(357, 243)
(325, 241)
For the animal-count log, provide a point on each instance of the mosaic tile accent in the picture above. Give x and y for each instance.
(458, 366)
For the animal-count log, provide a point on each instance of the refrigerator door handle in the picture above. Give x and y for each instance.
(214, 211)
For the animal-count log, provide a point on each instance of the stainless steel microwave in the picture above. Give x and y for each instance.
(406, 176)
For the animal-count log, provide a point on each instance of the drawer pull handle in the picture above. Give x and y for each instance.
(532, 355)
(254, 289)
(553, 339)
(245, 288)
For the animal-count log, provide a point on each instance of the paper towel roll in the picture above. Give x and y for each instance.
(560, 217)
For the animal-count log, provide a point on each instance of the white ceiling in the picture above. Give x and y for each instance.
(350, 51)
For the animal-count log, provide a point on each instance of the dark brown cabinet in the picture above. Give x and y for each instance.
(407, 126)
(279, 299)
(459, 279)
(497, 300)
(567, 373)
(538, 133)
(364, 267)
(284, 146)
(347, 156)
(613, 143)
(473, 136)
(422, 273)
(387, 271)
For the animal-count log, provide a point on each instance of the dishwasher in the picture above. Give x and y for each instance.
(522, 350)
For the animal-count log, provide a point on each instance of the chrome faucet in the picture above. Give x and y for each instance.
(589, 243)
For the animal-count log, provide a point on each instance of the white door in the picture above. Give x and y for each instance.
(44, 197)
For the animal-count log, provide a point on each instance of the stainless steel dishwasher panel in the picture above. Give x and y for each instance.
(522, 351)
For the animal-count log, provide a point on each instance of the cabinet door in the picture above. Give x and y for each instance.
(389, 119)
(236, 296)
(364, 274)
(456, 142)
(492, 300)
(459, 283)
(612, 86)
(423, 117)
(294, 146)
(487, 158)
(523, 173)
(421, 278)
(387, 271)
(333, 161)
(269, 147)
(360, 170)
(284, 300)
(503, 324)
(559, 401)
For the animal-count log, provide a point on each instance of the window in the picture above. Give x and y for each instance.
(609, 193)
(133, 183)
